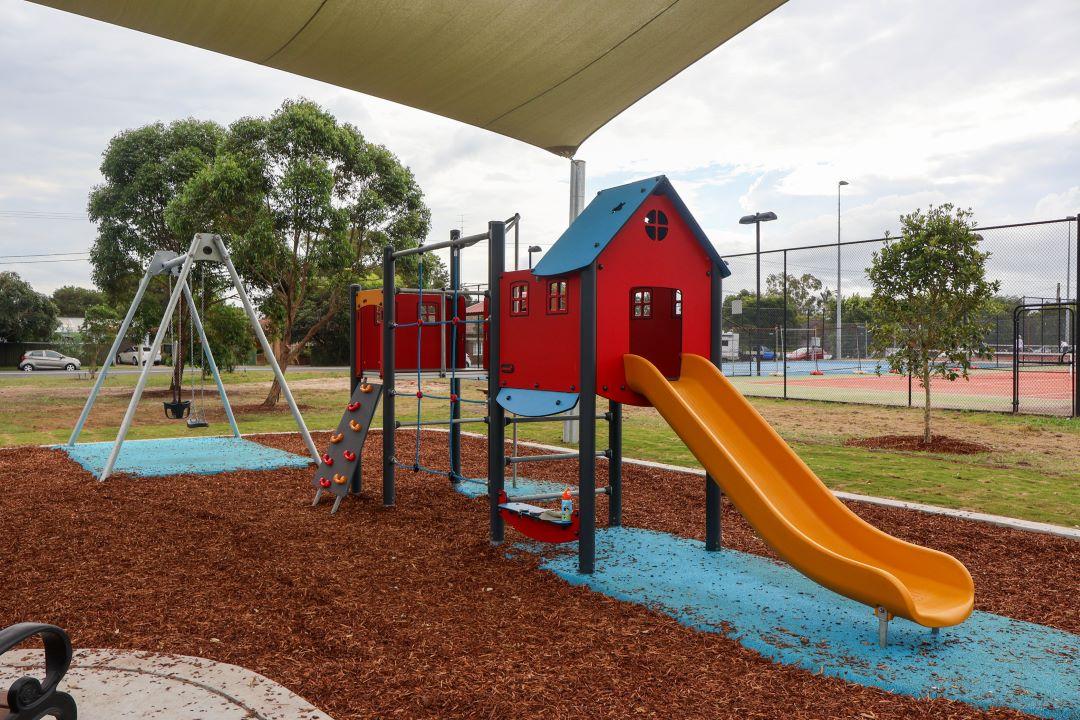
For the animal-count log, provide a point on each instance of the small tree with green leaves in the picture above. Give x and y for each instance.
(931, 298)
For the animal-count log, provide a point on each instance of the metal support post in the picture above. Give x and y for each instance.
(144, 374)
(388, 355)
(455, 382)
(571, 430)
(263, 342)
(587, 411)
(496, 414)
(713, 503)
(209, 355)
(614, 463)
(151, 271)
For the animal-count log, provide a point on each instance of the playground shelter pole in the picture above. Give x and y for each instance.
(388, 424)
(572, 428)
(496, 415)
(455, 382)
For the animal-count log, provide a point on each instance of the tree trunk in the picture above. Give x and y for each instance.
(283, 356)
(926, 409)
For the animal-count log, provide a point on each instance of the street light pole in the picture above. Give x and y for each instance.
(839, 185)
(756, 219)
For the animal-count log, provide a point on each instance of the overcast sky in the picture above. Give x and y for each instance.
(974, 102)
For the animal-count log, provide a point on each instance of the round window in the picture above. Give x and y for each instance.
(656, 226)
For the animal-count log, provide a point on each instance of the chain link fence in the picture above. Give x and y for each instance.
(798, 342)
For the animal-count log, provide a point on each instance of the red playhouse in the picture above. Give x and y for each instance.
(653, 283)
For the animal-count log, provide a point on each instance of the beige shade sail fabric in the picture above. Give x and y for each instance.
(547, 72)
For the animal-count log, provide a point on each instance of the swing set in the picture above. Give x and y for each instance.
(205, 248)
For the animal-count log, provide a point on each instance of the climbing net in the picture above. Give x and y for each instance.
(456, 324)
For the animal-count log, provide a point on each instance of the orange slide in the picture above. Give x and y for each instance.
(791, 509)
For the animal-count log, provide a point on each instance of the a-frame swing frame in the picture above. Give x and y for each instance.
(205, 247)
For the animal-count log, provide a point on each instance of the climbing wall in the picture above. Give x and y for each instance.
(339, 468)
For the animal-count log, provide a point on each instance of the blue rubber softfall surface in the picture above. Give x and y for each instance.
(771, 608)
(177, 456)
(524, 487)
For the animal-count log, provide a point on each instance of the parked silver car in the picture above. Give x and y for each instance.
(131, 355)
(47, 360)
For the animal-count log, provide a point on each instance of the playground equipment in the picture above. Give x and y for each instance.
(204, 248)
(793, 510)
(636, 264)
(339, 470)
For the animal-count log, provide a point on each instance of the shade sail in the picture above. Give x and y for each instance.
(547, 72)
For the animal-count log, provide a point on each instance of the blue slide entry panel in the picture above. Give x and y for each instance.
(184, 456)
(535, 403)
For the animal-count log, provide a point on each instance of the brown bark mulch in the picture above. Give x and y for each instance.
(409, 612)
(937, 444)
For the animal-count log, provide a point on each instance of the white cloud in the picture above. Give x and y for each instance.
(973, 102)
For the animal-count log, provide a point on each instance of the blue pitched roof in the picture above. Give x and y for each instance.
(602, 220)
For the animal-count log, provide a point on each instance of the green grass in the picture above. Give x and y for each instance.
(1018, 481)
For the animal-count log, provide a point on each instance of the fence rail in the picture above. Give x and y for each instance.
(790, 345)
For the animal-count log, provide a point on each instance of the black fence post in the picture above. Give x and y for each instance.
(783, 336)
(496, 415)
(587, 412)
(389, 418)
(1076, 322)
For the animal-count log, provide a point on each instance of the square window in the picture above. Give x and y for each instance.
(427, 313)
(557, 297)
(519, 299)
(642, 303)
(676, 304)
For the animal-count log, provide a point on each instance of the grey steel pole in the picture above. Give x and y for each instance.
(265, 344)
(144, 374)
(353, 379)
(455, 382)
(571, 428)
(496, 414)
(713, 494)
(614, 463)
(209, 355)
(388, 357)
(587, 411)
(124, 326)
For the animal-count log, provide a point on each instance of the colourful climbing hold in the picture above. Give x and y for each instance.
(324, 483)
(336, 437)
(366, 388)
(354, 406)
(340, 479)
(349, 455)
(327, 460)
(355, 426)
